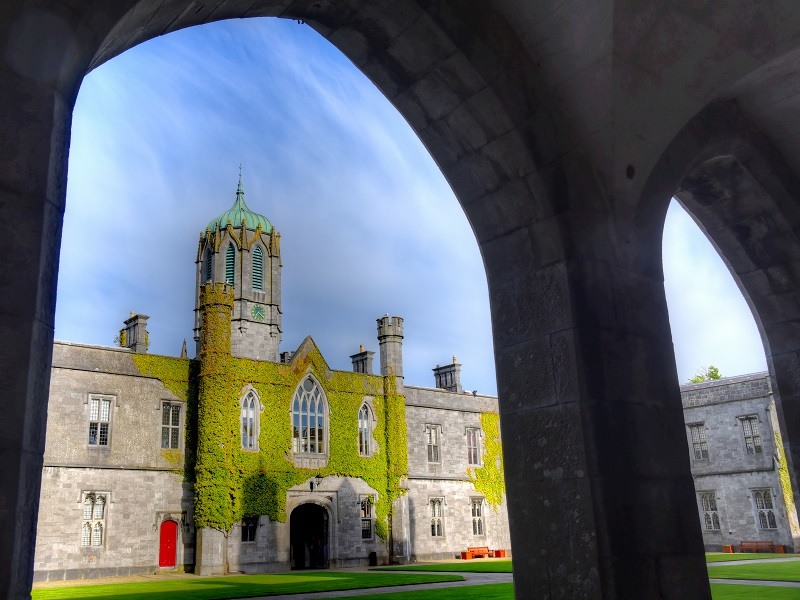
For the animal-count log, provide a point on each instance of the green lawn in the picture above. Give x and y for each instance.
(728, 591)
(712, 557)
(464, 566)
(238, 586)
(489, 591)
(505, 591)
(772, 571)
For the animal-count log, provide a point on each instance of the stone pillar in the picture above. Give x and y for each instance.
(362, 361)
(390, 340)
(448, 377)
(601, 499)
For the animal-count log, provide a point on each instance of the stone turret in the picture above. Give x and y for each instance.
(390, 340)
(448, 377)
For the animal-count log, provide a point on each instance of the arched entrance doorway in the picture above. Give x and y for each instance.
(168, 544)
(308, 535)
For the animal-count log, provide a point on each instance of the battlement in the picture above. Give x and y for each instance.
(390, 326)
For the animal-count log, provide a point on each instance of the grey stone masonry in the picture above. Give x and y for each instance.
(390, 340)
(362, 361)
(734, 460)
(448, 377)
(443, 473)
(135, 329)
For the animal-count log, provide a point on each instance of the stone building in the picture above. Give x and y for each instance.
(249, 459)
(739, 467)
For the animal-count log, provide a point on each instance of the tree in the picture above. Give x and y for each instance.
(709, 373)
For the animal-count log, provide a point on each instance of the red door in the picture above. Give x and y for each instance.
(168, 545)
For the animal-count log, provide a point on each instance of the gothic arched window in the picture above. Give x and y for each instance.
(209, 272)
(230, 262)
(250, 422)
(258, 269)
(309, 416)
(365, 431)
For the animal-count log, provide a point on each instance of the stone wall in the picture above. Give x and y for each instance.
(453, 413)
(730, 471)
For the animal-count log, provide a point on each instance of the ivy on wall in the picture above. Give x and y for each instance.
(786, 482)
(231, 482)
(489, 479)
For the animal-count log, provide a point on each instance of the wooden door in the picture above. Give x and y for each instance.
(168, 545)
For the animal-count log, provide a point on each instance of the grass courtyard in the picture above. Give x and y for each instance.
(244, 586)
(237, 586)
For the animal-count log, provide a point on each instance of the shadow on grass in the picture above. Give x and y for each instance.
(240, 586)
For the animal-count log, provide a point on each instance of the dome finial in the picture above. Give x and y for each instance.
(240, 187)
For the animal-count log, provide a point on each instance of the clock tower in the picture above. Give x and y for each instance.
(242, 248)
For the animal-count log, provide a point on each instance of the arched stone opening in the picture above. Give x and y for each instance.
(310, 537)
(454, 71)
(740, 191)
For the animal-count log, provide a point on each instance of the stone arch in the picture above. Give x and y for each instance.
(742, 194)
(323, 504)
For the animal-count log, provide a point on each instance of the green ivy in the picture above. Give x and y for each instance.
(231, 482)
(489, 479)
(783, 473)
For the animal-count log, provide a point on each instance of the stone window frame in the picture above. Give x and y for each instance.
(98, 421)
(433, 443)
(172, 428)
(709, 510)
(474, 449)
(92, 522)
(764, 508)
(249, 529)
(250, 415)
(751, 434)
(366, 424)
(478, 515)
(699, 440)
(436, 506)
(296, 419)
(366, 507)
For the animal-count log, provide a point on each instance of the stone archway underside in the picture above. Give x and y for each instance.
(557, 127)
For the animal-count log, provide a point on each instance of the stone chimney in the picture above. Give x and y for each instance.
(448, 377)
(390, 340)
(134, 335)
(362, 362)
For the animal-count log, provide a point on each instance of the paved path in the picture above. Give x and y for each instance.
(789, 584)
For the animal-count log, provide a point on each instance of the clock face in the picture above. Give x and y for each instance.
(258, 312)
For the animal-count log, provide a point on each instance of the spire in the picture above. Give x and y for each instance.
(240, 187)
(183, 349)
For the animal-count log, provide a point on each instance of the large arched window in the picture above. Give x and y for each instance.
(308, 419)
(209, 272)
(365, 431)
(258, 269)
(230, 262)
(250, 422)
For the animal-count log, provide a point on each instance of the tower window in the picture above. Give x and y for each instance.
(209, 271)
(308, 419)
(258, 269)
(435, 507)
(432, 433)
(230, 262)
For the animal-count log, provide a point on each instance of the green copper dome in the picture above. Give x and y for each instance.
(239, 213)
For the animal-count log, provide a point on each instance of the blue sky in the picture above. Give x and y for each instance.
(368, 223)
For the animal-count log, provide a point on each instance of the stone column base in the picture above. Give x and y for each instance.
(210, 552)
